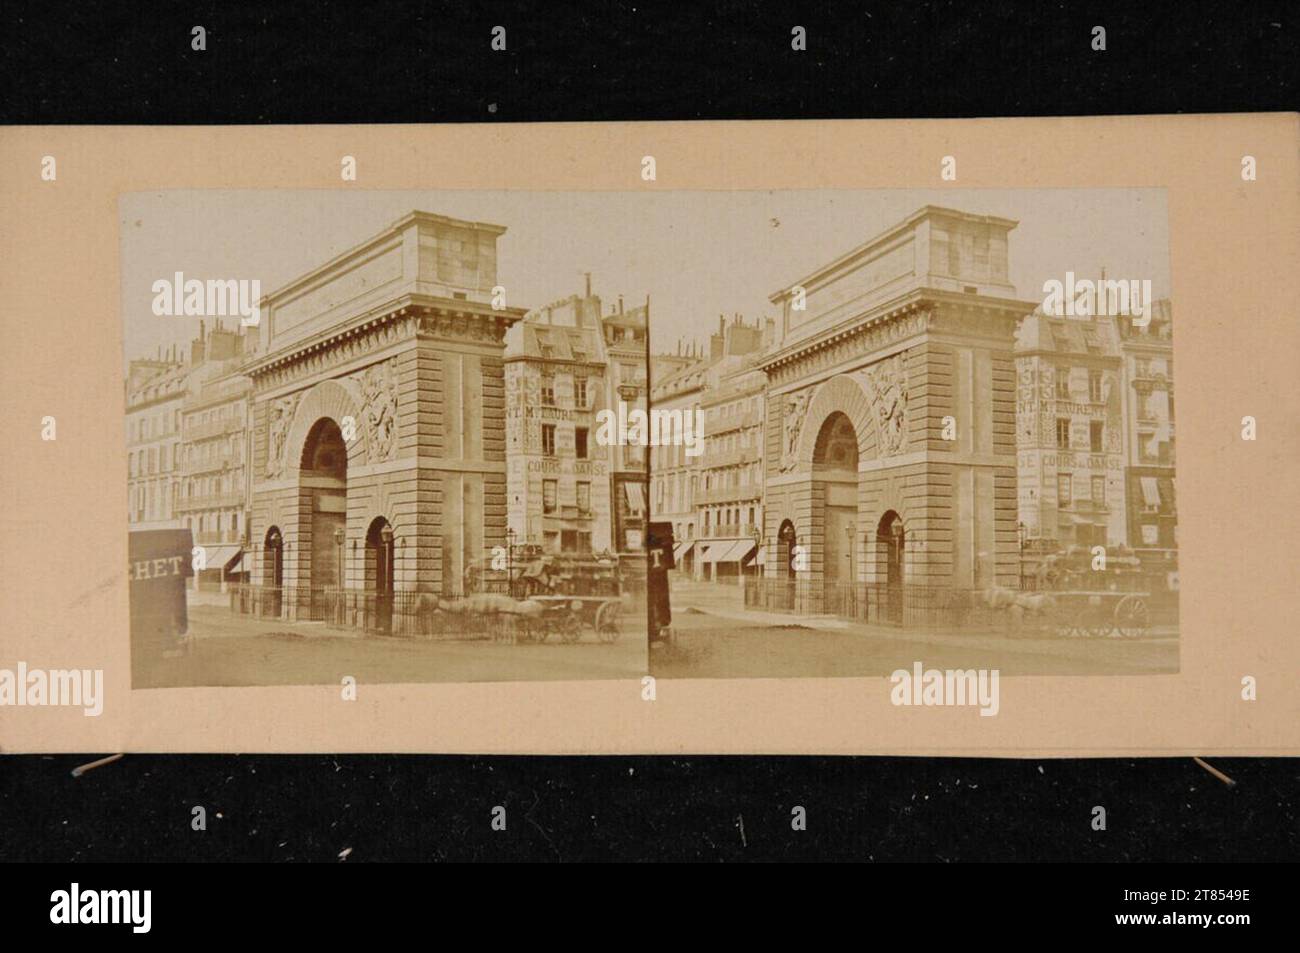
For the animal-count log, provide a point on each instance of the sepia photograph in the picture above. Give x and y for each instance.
(433, 451)
(352, 454)
(638, 455)
(594, 433)
(950, 430)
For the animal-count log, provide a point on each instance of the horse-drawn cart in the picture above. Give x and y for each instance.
(565, 596)
(567, 617)
(1097, 614)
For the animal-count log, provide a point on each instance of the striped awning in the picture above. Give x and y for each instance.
(727, 550)
(220, 557)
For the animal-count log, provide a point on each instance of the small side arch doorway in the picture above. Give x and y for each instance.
(273, 571)
(379, 571)
(890, 542)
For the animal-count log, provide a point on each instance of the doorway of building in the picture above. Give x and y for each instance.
(272, 572)
(835, 471)
(323, 488)
(890, 540)
(379, 573)
(786, 543)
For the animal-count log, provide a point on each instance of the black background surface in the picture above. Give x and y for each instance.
(431, 62)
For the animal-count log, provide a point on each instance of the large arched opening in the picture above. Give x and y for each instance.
(835, 470)
(323, 489)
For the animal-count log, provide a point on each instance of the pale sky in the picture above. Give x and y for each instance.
(698, 254)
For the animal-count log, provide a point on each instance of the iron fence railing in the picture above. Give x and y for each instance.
(903, 604)
(405, 614)
(912, 605)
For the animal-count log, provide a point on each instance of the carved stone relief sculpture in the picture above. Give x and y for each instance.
(379, 411)
(887, 385)
(795, 408)
(280, 419)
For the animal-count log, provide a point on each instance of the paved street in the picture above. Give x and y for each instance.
(234, 650)
(716, 637)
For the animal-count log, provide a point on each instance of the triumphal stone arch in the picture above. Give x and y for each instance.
(378, 440)
(891, 410)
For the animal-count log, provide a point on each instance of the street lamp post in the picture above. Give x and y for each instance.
(1020, 554)
(510, 561)
(339, 536)
(384, 582)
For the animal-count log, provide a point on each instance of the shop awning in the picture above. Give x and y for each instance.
(681, 549)
(216, 557)
(234, 563)
(1150, 491)
(727, 550)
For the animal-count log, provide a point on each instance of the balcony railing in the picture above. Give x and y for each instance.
(224, 461)
(733, 422)
(731, 458)
(729, 494)
(209, 502)
(214, 538)
(730, 531)
(213, 428)
(1086, 505)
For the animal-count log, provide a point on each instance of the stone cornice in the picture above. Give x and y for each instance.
(916, 312)
(407, 316)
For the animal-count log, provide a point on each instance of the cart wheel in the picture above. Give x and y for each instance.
(570, 626)
(1131, 617)
(609, 617)
(536, 629)
(502, 632)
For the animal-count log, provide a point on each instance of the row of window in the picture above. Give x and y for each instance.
(227, 523)
(1156, 494)
(1065, 490)
(746, 405)
(1064, 377)
(153, 500)
(151, 461)
(550, 496)
(673, 455)
(147, 462)
(568, 541)
(716, 518)
(739, 440)
(677, 490)
(209, 486)
(581, 393)
(160, 424)
(580, 441)
(1096, 435)
(733, 477)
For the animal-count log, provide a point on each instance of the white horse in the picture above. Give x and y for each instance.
(1018, 605)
